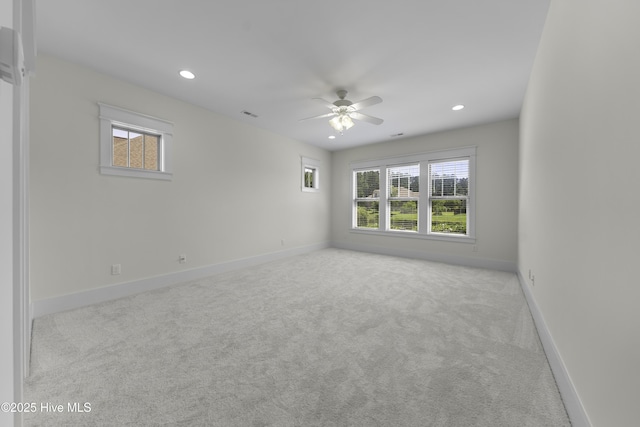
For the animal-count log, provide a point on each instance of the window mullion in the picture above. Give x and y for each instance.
(424, 206)
(384, 200)
(144, 150)
(128, 149)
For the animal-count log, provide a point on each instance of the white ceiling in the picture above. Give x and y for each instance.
(271, 57)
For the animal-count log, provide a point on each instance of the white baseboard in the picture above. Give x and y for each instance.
(570, 397)
(46, 306)
(430, 256)
(107, 293)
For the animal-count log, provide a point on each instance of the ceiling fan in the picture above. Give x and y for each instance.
(344, 111)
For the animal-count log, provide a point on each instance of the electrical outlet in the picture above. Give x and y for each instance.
(282, 242)
(116, 269)
(182, 258)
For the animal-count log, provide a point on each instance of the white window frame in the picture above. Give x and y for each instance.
(111, 116)
(424, 209)
(382, 210)
(407, 198)
(308, 163)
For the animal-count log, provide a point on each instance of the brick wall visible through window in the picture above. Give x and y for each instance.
(135, 149)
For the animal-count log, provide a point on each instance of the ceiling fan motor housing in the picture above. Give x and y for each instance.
(342, 102)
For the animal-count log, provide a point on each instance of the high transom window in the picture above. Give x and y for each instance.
(310, 174)
(134, 144)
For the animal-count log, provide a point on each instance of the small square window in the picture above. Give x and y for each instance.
(309, 177)
(134, 145)
(310, 174)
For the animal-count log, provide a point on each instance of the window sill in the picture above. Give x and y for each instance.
(413, 235)
(136, 173)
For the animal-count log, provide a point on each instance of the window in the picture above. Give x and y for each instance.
(309, 177)
(448, 196)
(137, 150)
(134, 145)
(310, 174)
(444, 209)
(367, 198)
(403, 190)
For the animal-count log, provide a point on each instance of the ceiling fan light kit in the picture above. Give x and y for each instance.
(341, 122)
(344, 112)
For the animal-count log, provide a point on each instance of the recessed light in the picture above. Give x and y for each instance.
(187, 74)
(332, 137)
(457, 107)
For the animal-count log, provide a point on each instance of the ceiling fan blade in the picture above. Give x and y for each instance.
(318, 117)
(326, 103)
(365, 118)
(373, 100)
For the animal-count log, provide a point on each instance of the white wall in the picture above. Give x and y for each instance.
(235, 191)
(6, 231)
(579, 201)
(11, 351)
(496, 201)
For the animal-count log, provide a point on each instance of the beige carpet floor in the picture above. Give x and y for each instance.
(330, 338)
